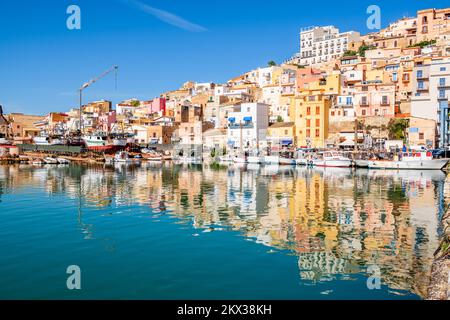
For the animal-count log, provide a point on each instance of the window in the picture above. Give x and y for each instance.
(441, 93)
(286, 132)
(442, 69)
(442, 82)
(308, 123)
(308, 111)
(364, 101)
(349, 101)
(384, 100)
(332, 113)
(317, 133)
(420, 85)
(317, 122)
(394, 76)
(308, 133)
(419, 74)
(317, 110)
(363, 112)
(421, 136)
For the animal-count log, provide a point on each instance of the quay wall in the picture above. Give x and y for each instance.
(439, 288)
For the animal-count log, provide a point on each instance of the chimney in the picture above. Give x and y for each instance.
(1, 110)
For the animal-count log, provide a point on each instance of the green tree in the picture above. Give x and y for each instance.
(279, 119)
(397, 129)
(350, 53)
(271, 63)
(362, 50)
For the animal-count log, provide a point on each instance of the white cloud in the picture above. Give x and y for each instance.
(166, 16)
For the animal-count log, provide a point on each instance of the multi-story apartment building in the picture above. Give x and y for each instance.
(342, 109)
(247, 125)
(432, 23)
(312, 109)
(323, 44)
(431, 91)
(374, 98)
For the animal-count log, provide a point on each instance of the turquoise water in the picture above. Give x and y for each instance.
(174, 232)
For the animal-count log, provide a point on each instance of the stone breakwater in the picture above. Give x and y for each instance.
(439, 288)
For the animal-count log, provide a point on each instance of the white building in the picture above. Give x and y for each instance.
(431, 92)
(323, 44)
(247, 125)
(266, 75)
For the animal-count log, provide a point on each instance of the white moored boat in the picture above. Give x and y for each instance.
(410, 161)
(332, 159)
(123, 157)
(63, 160)
(49, 160)
(42, 140)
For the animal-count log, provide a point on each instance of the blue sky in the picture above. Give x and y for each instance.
(158, 44)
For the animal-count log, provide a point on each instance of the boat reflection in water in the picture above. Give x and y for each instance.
(336, 222)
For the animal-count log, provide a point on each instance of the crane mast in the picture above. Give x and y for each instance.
(88, 84)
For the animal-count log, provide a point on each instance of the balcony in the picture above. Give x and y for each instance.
(444, 85)
(248, 125)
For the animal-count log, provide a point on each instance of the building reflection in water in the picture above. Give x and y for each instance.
(337, 221)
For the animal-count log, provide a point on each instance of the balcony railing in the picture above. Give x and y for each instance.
(238, 125)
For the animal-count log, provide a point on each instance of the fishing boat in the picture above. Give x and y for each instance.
(97, 141)
(302, 159)
(4, 142)
(255, 158)
(37, 162)
(49, 160)
(123, 157)
(361, 163)
(62, 161)
(410, 161)
(331, 159)
(42, 140)
(272, 159)
(284, 159)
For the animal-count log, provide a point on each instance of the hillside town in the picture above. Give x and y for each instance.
(341, 91)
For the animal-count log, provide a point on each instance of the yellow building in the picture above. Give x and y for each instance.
(281, 133)
(99, 107)
(311, 110)
(331, 84)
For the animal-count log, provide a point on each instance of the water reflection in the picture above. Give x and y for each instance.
(336, 221)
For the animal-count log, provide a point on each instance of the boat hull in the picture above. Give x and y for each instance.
(333, 163)
(255, 160)
(362, 163)
(435, 164)
(287, 161)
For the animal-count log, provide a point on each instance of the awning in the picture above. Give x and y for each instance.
(232, 120)
(286, 142)
(249, 119)
(347, 143)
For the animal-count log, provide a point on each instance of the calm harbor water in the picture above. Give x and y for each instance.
(188, 232)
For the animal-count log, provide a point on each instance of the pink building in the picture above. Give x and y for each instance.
(306, 76)
(106, 121)
(374, 99)
(157, 105)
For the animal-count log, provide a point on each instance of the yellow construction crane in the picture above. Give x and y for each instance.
(91, 82)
